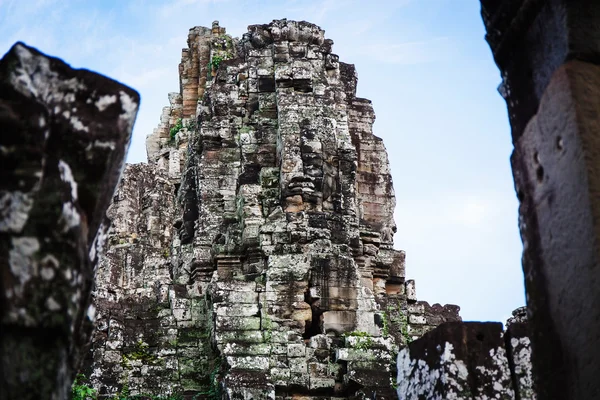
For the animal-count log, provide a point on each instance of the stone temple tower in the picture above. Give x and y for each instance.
(252, 257)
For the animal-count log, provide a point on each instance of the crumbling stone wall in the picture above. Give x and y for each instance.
(470, 360)
(151, 333)
(64, 134)
(269, 202)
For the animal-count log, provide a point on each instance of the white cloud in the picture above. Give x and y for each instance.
(462, 249)
(144, 78)
(324, 13)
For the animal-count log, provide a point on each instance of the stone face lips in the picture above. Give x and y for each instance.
(283, 279)
(64, 136)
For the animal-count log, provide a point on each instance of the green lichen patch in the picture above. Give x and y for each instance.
(140, 353)
(191, 336)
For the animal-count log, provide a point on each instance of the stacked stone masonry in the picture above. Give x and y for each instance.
(252, 257)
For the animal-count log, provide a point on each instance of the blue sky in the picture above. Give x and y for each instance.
(423, 63)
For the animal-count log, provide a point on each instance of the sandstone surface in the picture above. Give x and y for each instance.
(253, 256)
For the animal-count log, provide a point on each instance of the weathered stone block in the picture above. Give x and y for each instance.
(237, 323)
(456, 360)
(339, 321)
(248, 362)
(518, 345)
(65, 134)
(296, 350)
(236, 310)
(417, 319)
(237, 349)
(242, 336)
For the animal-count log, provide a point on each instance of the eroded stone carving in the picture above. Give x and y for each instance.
(257, 245)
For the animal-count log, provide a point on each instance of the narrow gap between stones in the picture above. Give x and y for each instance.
(314, 326)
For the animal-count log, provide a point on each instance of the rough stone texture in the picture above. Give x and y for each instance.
(518, 347)
(530, 40)
(551, 163)
(257, 245)
(149, 330)
(519, 315)
(64, 135)
(471, 360)
(548, 53)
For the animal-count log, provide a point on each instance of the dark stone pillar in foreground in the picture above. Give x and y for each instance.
(549, 56)
(64, 134)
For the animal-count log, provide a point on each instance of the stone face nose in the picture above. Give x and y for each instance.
(64, 134)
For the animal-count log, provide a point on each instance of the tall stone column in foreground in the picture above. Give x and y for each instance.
(549, 53)
(64, 134)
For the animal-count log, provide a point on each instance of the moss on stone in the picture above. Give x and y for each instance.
(140, 353)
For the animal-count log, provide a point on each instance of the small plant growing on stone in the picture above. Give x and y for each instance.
(214, 390)
(191, 125)
(175, 129)
(245, 129)
(123, 394)
(399, 320)
(215, 62)
(364, 340)
(385, 329)
(228, 42)
(404, 329)
(140, 353)
(81, 391)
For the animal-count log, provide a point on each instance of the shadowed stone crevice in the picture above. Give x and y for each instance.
(314, 326)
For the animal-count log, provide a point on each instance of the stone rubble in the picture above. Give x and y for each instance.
(252, 257)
